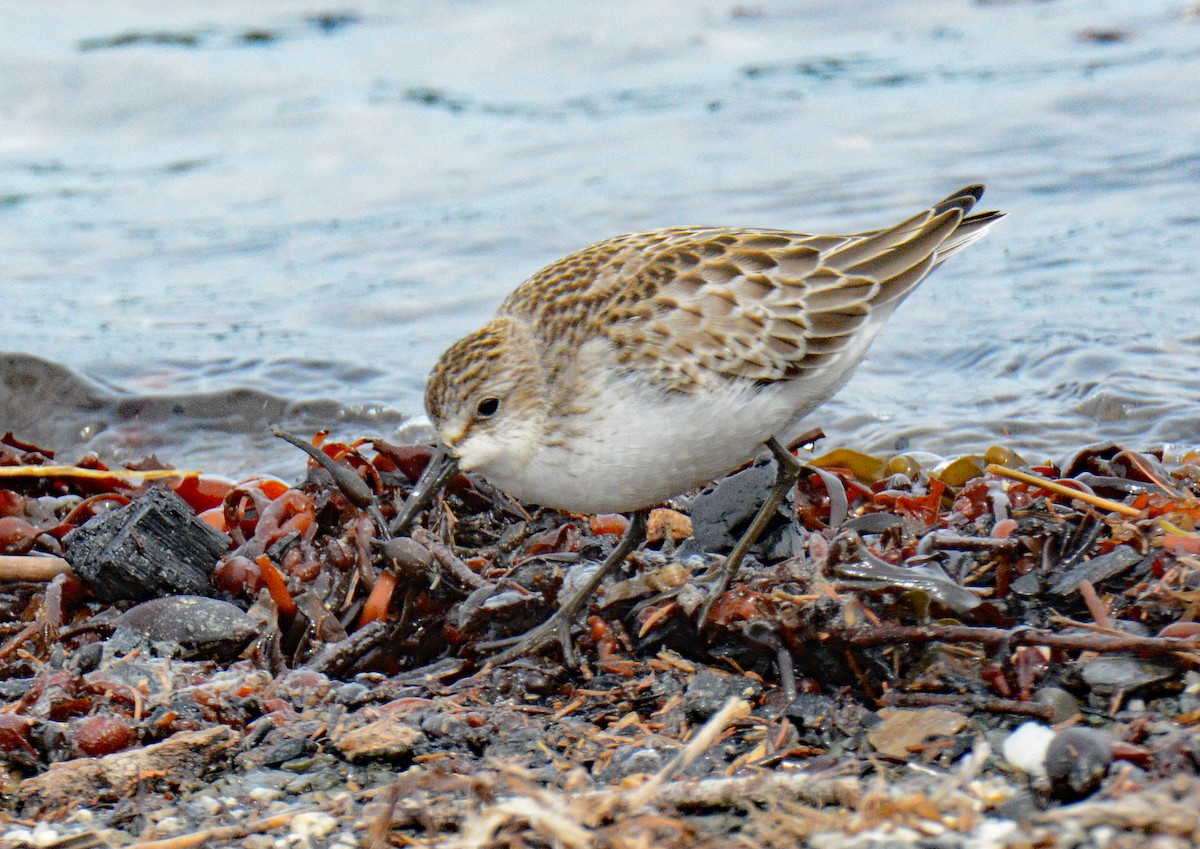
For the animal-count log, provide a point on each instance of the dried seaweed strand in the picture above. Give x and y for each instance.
(127, 475)
(733, 709)
(1061, 489)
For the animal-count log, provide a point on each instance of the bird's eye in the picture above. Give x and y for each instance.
(487, 408)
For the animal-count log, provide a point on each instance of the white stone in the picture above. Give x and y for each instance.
(1026, 748)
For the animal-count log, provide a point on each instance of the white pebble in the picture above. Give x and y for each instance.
(991, 834)
(264, 794)
(313, 824)
(1026, 748)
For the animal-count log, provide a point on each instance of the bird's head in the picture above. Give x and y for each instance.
(486, 397)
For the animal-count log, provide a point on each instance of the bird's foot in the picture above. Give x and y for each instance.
(714, 582)
(559, 625)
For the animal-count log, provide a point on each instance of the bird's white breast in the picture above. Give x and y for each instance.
(632, 445)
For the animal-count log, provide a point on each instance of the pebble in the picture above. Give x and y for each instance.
(1062, 704)
(1026, 748)
(1077, 761)
(1107, 675)
(709, 690)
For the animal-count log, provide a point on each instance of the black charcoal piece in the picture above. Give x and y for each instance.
(153, 547)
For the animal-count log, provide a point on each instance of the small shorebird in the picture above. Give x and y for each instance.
(645, 366)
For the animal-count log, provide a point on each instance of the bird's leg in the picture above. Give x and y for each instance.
(560, 623)
(787, 472)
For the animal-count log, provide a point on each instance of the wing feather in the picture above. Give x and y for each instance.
(686, 306)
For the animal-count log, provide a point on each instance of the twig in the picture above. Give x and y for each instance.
(970, 701)
(1094, 605)
(1062, 489)
(947, 540)
(898, 634)
(31, 567)
(448, 560)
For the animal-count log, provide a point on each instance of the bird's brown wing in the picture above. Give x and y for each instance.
(689, 305)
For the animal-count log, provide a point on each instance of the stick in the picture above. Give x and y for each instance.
(899, 634)
(1061, 489)
(31, 567)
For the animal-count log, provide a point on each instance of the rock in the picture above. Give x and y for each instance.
(1107, 675)
(1062, 703)
(390, 737)
(721, 511)
(1026, 748)
(192, 626)
(1077, 761)
(905, 732)
(152, 547)
(709, 690)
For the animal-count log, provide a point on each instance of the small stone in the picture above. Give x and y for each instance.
(390, 736)
(1107, 675)
(350, 693)
(1062, 704)
(1026, 748)
(1077, 761)
(709, 690)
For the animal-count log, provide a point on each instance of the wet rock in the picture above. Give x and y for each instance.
(1028, 584)
(721, 512)
(186, 626)
(1077, 761)
(1062, 704)
(1107, 675)
(274, 754)
(709, 690)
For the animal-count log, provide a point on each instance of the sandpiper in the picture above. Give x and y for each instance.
(646, 365)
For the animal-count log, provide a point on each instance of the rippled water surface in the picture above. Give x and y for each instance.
(215, 215)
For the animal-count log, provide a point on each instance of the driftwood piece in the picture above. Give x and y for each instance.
(85, 781)
(31, 567)
(152, 547)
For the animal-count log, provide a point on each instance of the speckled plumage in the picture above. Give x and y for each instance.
(647, 364)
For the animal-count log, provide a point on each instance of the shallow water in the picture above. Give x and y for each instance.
(218, 215)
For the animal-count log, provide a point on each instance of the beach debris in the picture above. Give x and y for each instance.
(154, 546)
(901, 617)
